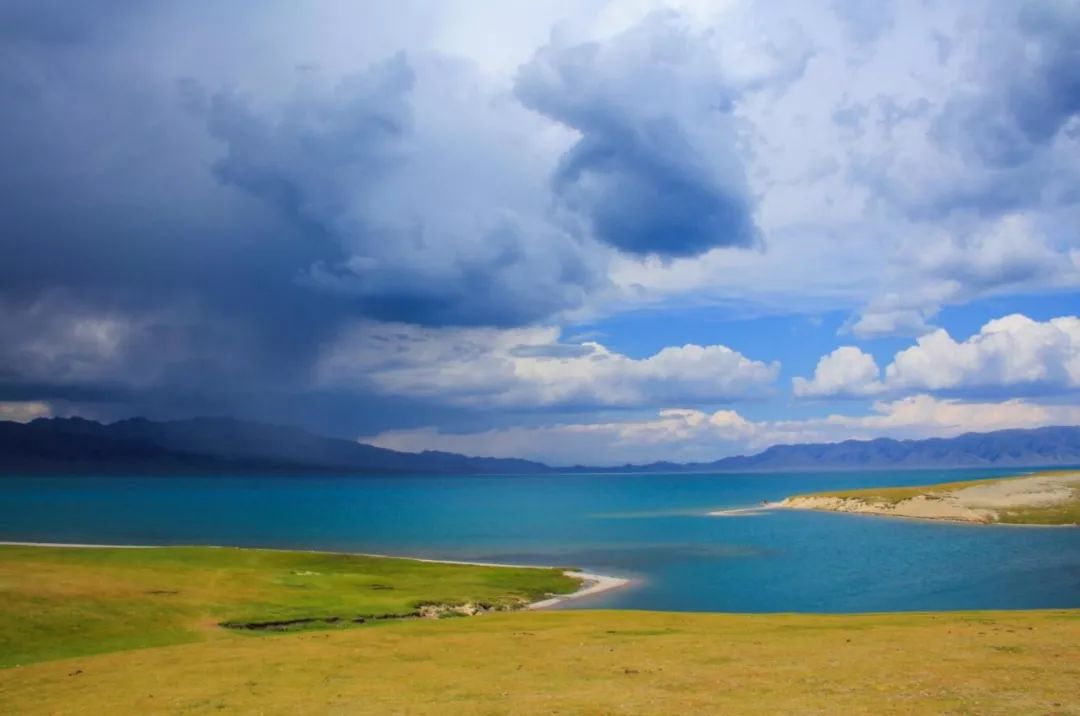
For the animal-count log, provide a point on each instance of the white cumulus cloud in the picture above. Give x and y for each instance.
(1007, 352)
(530, 367)
(1013, 354)
(845, 371)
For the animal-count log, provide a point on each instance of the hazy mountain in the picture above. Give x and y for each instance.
(224, 445)
(212, 445)
(1003, 448)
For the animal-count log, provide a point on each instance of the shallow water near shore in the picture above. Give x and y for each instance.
(652, 528)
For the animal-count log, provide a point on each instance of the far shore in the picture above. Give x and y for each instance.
(1046, 499)
(591, 584)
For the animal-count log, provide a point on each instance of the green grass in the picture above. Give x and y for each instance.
(60, 602)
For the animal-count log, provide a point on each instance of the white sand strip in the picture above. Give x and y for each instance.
(745, 511)
(591, 584)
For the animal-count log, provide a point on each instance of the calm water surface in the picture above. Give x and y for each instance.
(649, 527)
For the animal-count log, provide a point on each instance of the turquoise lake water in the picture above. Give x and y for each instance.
(652, 528)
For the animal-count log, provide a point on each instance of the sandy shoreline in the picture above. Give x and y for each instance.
(591, 584)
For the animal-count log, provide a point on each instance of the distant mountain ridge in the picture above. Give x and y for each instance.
(213, 445)
(1003, 448)
(229, 446)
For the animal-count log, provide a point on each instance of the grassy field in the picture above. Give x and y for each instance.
(113, 631)
(590, 663)
(59, 602)
(1066, 513)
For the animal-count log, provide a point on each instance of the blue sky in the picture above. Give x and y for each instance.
(581, 232)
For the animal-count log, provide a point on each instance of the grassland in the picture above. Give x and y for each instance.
(590, 663)
(59, 602)
(147, 624)
(1044, 498)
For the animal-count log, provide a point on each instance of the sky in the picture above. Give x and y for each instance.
(588, 232)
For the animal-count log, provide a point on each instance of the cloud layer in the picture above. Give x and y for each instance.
(527, 368)
(373, 217)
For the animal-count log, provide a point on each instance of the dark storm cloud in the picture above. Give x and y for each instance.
(315, 160)
(112, 222)
(170, 246)
(642, 173)
(335, 162)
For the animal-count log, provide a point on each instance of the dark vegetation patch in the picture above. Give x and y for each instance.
(302, 623)
(423, 610)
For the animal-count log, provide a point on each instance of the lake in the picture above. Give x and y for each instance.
(652, 528)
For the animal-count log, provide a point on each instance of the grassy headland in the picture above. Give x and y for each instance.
(1044, 498)
(59, 602)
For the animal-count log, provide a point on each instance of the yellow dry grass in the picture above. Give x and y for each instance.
(590, 663)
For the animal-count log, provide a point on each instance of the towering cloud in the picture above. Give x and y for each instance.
(655, 169)
(423, 220)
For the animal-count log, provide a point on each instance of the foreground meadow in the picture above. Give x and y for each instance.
(62, 601)
(557, 662)
(577, 662)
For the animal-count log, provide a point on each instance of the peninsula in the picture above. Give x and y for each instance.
(1044, 498)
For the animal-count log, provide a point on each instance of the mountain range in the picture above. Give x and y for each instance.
(213, 445)
(1036, 447)
(229, 446)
